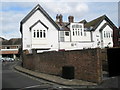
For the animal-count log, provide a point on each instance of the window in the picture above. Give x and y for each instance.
(62, 39)
(44, 33)
(76, 31)
(62, 36)
(81, 32)
(40, 33)
(73, 32)
(34, 34)
(37, 33)
(104, 34)
(67, 33)
(109, 35)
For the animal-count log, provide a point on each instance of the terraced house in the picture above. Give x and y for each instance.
(40, 32)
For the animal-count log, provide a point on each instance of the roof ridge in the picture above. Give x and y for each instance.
(102, 17)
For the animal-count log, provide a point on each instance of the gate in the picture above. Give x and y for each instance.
(113, 55)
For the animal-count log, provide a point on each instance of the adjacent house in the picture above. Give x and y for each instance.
(116, 38)
(10, 48)
(40, 32)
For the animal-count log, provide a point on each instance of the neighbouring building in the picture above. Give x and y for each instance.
(40, 32)
(116, 38)
(10, 48)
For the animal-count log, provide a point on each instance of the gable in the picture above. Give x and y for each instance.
(37, 23)
(38, 7)
(96, 22)
(105, 25)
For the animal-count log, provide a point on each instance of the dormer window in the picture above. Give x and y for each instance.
(77, 30)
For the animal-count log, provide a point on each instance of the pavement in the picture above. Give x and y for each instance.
(55, 79)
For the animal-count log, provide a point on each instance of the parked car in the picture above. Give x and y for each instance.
(2, 59)
(7, 59)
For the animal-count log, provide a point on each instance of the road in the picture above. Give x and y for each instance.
(19, 81)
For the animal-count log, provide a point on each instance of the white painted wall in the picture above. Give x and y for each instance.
(98, 36)
(109, 39)
(75, 45)
(52, 35)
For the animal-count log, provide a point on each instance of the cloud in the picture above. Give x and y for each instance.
(66, 8)
(10, 24)
(13, 12)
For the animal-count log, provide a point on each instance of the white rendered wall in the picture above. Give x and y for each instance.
(75, 45)
(99, 40)
(107, 40)
(97, 35)
(52, 35)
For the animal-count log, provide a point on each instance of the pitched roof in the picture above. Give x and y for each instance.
(105, 26)
(96, 22)
(83, 21)
(64, 26)
(14, 41)
(38, 7)
(2, 39)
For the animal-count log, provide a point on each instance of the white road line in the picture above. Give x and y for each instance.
(33, 86)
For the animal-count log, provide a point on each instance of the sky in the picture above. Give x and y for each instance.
(11, 13)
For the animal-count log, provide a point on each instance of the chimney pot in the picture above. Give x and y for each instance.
(71, 19)
(60, 18)
(57, 18)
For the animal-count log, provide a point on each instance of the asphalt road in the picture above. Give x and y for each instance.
(15, 80)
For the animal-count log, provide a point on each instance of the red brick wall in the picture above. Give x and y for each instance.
(87, 63)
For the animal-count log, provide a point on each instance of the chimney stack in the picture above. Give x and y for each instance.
(71, 19)
(57, 18)
(60, 18)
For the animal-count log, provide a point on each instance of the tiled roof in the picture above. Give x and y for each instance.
(96, 22)
(2, 39)
(14, 41)
(83, 21)
(64, 26)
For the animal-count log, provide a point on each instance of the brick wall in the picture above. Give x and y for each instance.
(87, 63)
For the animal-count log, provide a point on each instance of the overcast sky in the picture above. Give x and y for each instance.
(11, 13)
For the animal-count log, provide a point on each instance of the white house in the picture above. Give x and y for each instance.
(39, 31)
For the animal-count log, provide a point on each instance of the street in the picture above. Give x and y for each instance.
(16, 80)
(20, 81)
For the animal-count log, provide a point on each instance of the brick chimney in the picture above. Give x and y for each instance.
(57, 18)
(71, 19)
(60, 18)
